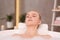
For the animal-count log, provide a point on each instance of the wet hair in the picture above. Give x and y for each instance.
(40, 20)
(39, 16)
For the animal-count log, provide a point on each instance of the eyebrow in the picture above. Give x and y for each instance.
(34, 14)
(27, 14)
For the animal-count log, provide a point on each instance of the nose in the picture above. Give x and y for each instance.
(30, 16)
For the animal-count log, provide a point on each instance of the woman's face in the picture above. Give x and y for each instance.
(32, 18)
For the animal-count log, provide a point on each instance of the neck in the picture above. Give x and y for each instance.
(31, 30)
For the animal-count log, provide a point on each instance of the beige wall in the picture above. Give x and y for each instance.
(6, 7)
(44, 7)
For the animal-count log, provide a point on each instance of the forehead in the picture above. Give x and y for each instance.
(32, 13)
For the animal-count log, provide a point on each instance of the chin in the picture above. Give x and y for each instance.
(29, 24)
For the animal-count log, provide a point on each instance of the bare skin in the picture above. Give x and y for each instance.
(32, 21)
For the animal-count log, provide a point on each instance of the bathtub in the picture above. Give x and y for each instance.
(10, 32)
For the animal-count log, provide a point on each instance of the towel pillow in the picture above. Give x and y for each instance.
(43, 29)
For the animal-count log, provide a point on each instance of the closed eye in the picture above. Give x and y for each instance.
(34, 15)
(27, 16)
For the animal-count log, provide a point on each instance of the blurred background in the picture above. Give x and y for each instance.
(8, 15)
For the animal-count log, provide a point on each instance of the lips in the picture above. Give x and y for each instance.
(29, 20)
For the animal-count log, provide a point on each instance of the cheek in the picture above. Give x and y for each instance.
(25, 20)
(36, 21)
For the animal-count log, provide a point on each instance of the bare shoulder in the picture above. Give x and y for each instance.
(17, 34)
(45, 36)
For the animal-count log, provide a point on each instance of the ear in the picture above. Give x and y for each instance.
(39, 22)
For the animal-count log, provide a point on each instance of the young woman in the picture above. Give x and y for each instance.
(33, 20)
